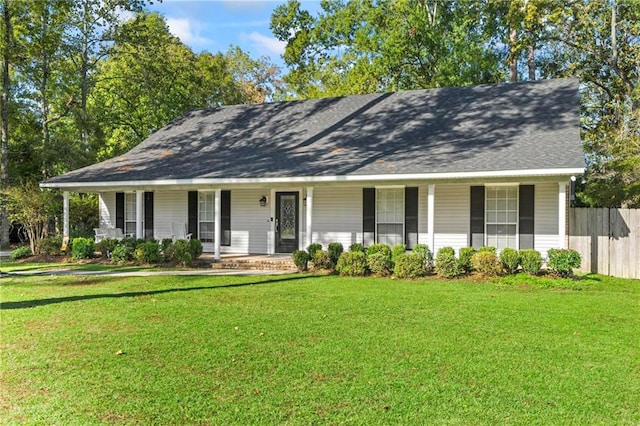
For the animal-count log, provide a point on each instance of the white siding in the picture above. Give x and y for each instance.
(451, 216)
(107, 209)
(337, 216)
(169, 206)
(250, 223)
(546, 217)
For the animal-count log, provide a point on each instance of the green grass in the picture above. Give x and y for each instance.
(299, 349)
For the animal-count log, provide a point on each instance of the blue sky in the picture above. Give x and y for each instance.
(212, 25)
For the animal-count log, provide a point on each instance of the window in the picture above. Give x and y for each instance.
(206, 216)
(390, 216)
(130, 214)
(502, 216)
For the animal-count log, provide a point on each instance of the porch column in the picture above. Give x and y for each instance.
(562, 214)
(65, 219)
(217, 237)
(309, 230)
(431, 196)
(139, 215)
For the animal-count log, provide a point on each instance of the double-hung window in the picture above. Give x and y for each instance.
(130, 214)
(206, 216)
(502, 216)
(390, 216)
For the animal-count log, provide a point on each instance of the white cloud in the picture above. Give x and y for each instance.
(264, 45)
(187, 31)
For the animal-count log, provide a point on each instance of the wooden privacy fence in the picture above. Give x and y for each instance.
(607, 239)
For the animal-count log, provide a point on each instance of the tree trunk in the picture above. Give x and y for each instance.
(531, 63)
(513, 57)
(4, 115)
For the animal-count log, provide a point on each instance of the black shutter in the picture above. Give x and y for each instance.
(525, 216)
(477, 217)
(192, 214)
(148, 215)
(411, 217)
(368, 216)
(226, 218)
(120, 210)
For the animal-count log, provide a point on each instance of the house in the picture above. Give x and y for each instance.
(472, 166)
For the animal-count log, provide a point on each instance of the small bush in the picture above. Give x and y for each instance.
(562, 262)
(379, 264)
(50, 246)
(379, 248)
(121, 253)
(423, 250)
(82, 248)
(531, 261)
(301, 259)
(352, 263)
(486, 262)
(464, 259)
(489, 249)
(321, 260)
(106, 246)
(313, 248)
(180, 252)
(130, 242)
(165, 246)
(195, 248)
(357, 247)
(510, 259)
(397, 250)
(148, 253)
(335, 250)
(447, 265)
(409, 265)
(20, 253)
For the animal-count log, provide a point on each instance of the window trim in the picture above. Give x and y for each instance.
(126, 209)
(487, 223)
(213, 212)
(401, 189)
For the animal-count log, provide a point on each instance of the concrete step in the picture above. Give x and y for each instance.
(278, 264)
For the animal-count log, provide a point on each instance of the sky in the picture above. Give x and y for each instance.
(213, 25)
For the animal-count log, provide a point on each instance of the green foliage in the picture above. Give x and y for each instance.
(409, 265)
(195, 247)
(562, 261)
(489, 249)
(130, 242)
(321, 260)
(531, 261)
(397, 250)
(313, 248)
(352, 263)
(21, 252)
(379, 248)
(510, 259)
(426, 254)
(82, 248)
(301, 259)
(166, 243)
(106, 245)
(335, 250)
(487, 262)
(121, 253)
(447, 265)
(83, 214)
(464, 259)
(180, 253)
(379, 264)
(51, 246)
(357, 247)
(147, 253)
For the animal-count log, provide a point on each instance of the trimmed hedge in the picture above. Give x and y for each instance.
(562, 261)
(446, 263)
(531, 261)
(410, 265)
(352, 263)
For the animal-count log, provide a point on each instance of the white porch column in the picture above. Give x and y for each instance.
(309, 230)
(562, 214)
(431, 217)
(65, 219)
(139, 216)
(217, 237)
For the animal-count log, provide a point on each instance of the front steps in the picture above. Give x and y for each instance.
(256, 263)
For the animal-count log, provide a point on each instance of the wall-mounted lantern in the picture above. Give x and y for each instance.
(263, 201)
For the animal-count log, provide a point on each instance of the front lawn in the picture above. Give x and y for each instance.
(303, 349)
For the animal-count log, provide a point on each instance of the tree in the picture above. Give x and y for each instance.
(7, 41)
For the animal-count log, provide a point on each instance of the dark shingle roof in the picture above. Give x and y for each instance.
(521, 126)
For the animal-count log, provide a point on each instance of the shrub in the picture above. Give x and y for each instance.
(486, 262)
(379, 248)
(129, 242)
(335, 250)
(313, 248)
(82, 248)
(121, 253)
(106, 246)
(396, 251)
(321, 260)
(446, 263)
(165, 246)
(423, 250)
(409, 265)
(180, 252)
(20, 252)
(195, 248)
(49, 246)
(379, 264)
(510, 259)
(301, 259)
(357, 247)
(489, 249)
(531, 261)
(148, 253)
(352, 263)
(464, 258)
(562, 262)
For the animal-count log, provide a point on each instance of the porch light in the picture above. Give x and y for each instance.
(263, 201)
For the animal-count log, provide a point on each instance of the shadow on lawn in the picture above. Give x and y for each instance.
(54, 300)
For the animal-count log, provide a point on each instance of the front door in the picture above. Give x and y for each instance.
(286, 222)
